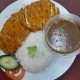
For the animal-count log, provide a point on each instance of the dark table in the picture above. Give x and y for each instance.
(73, 6)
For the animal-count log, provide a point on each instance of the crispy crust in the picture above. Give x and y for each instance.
(14, 33)
(38, 14)
(57, 11)
(9, 37)
(20, 24)
(2, 46)
(20, 30)
(21, 17)
(35, 17)
(28, 15)
(52, 13)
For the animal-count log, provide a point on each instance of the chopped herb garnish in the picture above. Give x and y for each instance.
(62, 29)
(60, 39)
(59, 35)
(57, 32)
(56, 40)
(32, 51)
(59, 46)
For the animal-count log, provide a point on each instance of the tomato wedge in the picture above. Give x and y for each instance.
(12, 75)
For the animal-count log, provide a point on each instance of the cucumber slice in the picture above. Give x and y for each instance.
(8, 62)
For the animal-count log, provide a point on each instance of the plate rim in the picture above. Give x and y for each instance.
(52, 1)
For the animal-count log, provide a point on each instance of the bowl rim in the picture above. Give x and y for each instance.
(65, 17)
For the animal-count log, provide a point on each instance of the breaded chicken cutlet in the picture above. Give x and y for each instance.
(38, 14)
(2, 46)
(14, 33)
(32, 18)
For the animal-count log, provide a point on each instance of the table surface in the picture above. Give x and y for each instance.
(73, 6)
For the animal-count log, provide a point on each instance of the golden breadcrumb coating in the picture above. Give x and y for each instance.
(14, 33)
(21, 17)
(38, 14)
(2, 46)
(57, 11)
(32, 18)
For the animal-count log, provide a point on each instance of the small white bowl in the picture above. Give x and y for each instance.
(70, 17)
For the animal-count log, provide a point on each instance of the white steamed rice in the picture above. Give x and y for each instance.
(39, 62)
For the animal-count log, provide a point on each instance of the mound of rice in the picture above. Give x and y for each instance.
(42, 57)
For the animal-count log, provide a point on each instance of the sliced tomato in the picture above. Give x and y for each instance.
(12, 75)
(15, 71)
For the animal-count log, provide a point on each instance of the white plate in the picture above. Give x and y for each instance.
(59, 66)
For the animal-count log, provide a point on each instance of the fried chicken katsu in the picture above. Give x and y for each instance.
(21, 17)
(38, 14)
(14, 33)
(2, 46)
(32, 18)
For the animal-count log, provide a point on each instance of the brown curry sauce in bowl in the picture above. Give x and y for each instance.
(62, 33)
